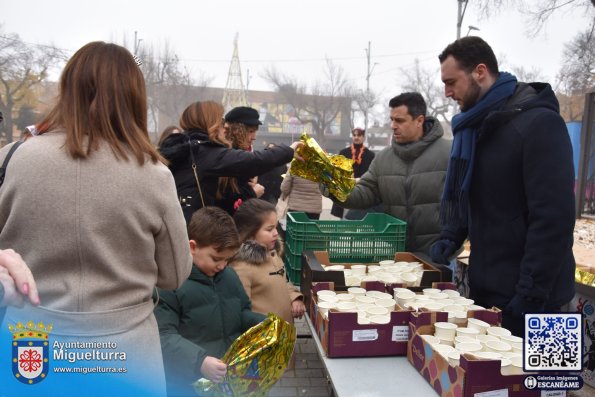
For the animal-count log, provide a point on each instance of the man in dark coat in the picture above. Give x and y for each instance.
(509, 187)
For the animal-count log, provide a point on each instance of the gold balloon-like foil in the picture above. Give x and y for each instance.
(334, 171)
(584, 277)
(255, 360)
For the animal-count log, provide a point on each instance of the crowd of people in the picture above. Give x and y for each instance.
(178, 245)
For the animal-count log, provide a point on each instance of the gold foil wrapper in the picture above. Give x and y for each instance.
(334, 171)
(584, 277)
(255, 360)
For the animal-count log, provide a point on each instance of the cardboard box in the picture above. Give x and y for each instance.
(471, 376)
(341, 336)
(312, 272)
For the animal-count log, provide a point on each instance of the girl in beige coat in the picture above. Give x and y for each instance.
(94, 213)
(259, 265)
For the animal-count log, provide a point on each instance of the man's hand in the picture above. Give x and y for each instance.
(442, 250)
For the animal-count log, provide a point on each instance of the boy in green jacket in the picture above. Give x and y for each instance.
(201, 319)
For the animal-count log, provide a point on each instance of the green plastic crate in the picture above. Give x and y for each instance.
(372, 239)
(292, 274)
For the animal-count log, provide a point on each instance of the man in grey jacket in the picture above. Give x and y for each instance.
(408, 177)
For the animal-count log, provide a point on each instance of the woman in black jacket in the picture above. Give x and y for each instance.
(200, 155)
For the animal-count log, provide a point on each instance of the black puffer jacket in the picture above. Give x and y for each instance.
(213, 160)
(522, 208)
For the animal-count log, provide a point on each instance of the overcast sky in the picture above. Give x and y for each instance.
(296, 36)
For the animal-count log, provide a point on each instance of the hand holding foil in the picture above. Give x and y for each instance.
(255, 360)
(334, 171)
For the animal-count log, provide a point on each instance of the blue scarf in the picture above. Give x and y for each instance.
(465, 126)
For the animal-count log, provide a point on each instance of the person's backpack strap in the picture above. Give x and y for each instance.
(6, 160)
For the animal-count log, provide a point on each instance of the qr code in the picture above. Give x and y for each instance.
(553, 342)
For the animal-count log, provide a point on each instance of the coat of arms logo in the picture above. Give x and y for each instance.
(30, 351)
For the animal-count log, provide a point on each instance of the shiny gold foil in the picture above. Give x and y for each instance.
(334, 171)
(255, 360)
(584, 277)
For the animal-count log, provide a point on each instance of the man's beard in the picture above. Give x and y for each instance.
(471, 96)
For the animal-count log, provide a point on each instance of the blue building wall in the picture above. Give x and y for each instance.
(574, 131)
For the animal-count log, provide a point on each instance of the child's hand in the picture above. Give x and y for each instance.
(213, 369)
(297, 308)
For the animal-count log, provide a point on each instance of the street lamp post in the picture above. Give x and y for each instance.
(471, 27)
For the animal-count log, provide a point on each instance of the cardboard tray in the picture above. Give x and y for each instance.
(312, 272)
(471, 376)
(341, 336)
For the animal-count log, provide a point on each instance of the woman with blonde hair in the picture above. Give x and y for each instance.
(92, 209)
(201, 155)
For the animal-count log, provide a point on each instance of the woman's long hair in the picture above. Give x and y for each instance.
(102, 99)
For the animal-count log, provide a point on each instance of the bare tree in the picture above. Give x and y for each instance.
(426, 82)
(577, 74)
(23, 67)
(317, 105)
(537, 12)
(168, 82)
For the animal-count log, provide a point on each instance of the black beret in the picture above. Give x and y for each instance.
(244, 115)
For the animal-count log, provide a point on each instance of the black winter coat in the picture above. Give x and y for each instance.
(213, 160)
(522, 211)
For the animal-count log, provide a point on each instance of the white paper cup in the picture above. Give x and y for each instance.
(443, 350)
(370, 278)
(454, 358)
(447, 342)
(358, 270)
(432, 306)
(454, 308)
(324, 307)
(484, 338)
(377, 311)
(468, 347)
(386, 303)
(363, 320)
(346, 307)
(451, 293)
(335, 268)
(460, 318)
(409, 279)
(498, 331)
(364, 306)
(444, 330)
(475, 307)
(353, 281)
(379, 319)
(511, 354)
(466, 331)
(364, 299)
(487, 355)
(328, 298)
(346, 297)
(379, 295)
(465, 339)
(373, 269)
(517, 347)
(431, 339)
(388, 262)
(479, 325)
(505, 362)
(511, 339)
(356, 291)
(497, 346)
(517, 362)
(326, 292)
(430, 291)
(464, 301)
